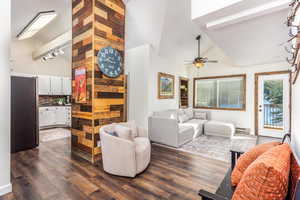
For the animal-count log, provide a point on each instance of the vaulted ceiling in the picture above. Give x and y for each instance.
(168, 27)
(249, 32)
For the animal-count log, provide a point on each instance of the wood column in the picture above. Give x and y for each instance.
(96, 24)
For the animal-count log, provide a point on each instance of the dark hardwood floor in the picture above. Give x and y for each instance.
(52, 173)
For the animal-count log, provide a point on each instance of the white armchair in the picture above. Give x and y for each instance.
(125, 157)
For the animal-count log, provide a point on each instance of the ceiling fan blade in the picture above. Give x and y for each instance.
(212, 61)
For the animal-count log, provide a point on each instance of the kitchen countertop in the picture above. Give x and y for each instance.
(55, 105)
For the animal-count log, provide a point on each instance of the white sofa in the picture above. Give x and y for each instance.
(125, 157)
(168, 127)
(177, 127)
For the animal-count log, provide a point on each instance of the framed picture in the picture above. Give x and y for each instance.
(165, 86)
(80, 85)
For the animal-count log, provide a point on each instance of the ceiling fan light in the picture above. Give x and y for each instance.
(199, 64)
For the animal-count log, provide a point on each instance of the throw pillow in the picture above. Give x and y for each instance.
(200, 115)
(113, 133)
(247, 158)
(183, 118)
(124, 132)
(132, 125)
(267, 177)
(189, 113)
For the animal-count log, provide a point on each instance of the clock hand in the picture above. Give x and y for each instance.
(109, 60)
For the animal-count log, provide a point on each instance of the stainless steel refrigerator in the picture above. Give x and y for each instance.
(24, 114)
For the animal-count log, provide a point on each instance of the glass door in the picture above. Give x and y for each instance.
(273, 105)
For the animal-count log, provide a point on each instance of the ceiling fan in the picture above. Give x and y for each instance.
(199, 61)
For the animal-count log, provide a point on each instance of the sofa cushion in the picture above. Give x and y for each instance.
(169, 114)
(189, 113)
(197, 125)
(143, 153)
(219, 128)
(200, 115)
(182, 118)
(247, 158)
(267, 177)
(124, 132)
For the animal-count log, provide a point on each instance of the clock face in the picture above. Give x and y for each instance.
(110, 62)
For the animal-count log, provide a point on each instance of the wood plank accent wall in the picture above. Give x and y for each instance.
(96, 24)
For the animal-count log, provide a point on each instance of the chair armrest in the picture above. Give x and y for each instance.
(209, 196)
(142, 132)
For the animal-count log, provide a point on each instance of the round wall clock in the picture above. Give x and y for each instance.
(110, 62)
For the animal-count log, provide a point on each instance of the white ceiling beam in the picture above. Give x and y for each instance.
(264, 9)
(58, 42)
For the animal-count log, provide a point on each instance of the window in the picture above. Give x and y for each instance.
(222, 92)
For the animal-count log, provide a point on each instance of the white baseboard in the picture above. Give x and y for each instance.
(5, 189)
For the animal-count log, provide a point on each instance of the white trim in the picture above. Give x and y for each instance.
(5, 189)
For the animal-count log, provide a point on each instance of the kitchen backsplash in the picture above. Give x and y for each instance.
(53, 100)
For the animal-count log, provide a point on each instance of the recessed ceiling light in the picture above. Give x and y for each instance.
(37, 24)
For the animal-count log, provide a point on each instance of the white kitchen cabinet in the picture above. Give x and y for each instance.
(42, 117)
(61, 115)
(44, 85)
(47, 116)
(55, 116)
(51, 116)
(67, 86)
(56, 85)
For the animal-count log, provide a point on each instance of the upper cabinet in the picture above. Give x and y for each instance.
(44, 85)
(67, 86)
(54, 85)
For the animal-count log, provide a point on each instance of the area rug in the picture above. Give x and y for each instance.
(54, 134)
(209, 146)
(219, 147)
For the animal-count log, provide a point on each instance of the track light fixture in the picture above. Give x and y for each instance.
(53, 54)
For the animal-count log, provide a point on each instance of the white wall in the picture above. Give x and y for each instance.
(143, 65)
(296, 120)
(166, 64)
(5, 185)
(137, 64)
(242, 119)
(22, 62)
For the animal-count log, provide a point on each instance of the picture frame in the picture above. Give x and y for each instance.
(166, 86)
(80, 85)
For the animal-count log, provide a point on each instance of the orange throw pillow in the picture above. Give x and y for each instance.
(267, 177)
(247, 158)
